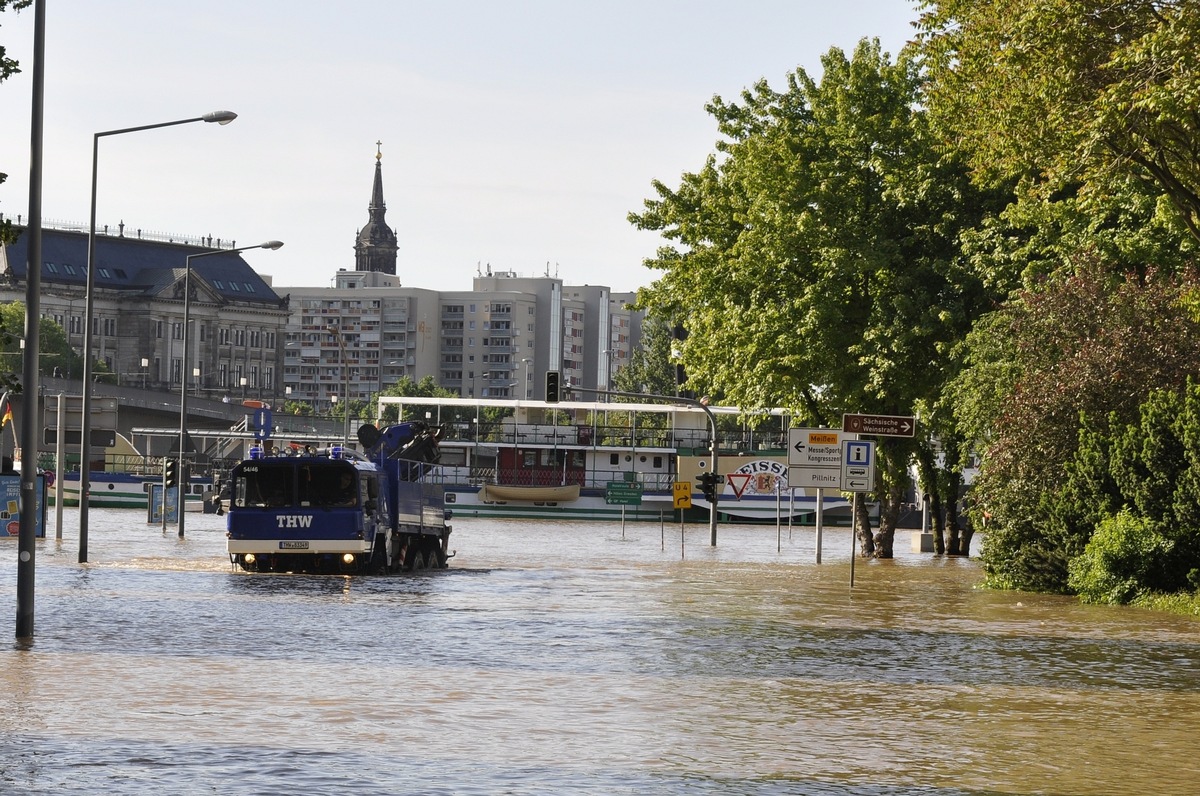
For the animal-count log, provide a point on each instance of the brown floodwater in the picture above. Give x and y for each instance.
(583, 658)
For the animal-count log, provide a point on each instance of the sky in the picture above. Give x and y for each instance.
(517, 135)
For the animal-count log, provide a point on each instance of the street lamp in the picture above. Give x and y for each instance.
(85, 442)
(183, 392)
(336, 332)
(525, 361)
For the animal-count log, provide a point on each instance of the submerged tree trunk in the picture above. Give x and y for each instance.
(892, 476)
(862, 526)
(936, 523)
(953, 481)
(889, 512)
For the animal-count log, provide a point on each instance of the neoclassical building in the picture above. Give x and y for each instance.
(137, 325)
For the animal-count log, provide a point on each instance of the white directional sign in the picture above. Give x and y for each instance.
(814, 458)
(858, 466)
(815, 477)
(814, 447)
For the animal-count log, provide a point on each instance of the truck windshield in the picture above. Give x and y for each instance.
(267, 484)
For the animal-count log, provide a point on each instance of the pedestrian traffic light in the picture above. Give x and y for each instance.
(552, 386)
(170, 472)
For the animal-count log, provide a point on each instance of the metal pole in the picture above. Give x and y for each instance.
(820, 510)
(85, 442)
(27, 533)
(853, 535)
(183, 393)
(60, 469)
(85, 431)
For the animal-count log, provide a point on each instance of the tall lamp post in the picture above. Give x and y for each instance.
(183, 372)
(85, 442)
(336, 332)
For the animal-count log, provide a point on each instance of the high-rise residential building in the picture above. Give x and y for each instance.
(367, 331)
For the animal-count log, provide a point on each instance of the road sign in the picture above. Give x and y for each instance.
(682, 493)
(103, 410)
(621, 493)
(814, 458)
(101, 437)
(814, 447)
(815, 477)
(858, 465)
(737, 482)
(880, 425)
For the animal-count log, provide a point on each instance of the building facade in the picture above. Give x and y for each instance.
(237, 319)
(321, 345)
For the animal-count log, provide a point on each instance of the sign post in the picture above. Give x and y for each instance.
(815, 461)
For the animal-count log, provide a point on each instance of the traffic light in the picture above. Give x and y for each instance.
(708, 486)
(552, 386)
(170, 472)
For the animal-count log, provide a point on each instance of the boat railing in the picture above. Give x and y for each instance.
(461, 475)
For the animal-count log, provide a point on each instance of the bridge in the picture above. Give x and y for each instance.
(149, 419)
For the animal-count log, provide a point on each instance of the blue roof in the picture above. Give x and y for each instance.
(136, 265)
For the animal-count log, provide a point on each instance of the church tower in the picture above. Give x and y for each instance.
(375, 247)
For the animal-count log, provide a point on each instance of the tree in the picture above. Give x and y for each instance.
(8, 67)
(651, 368)
(56, 352)
(1071, 94)
(1082, 345)
(405, 386)
(815, 257)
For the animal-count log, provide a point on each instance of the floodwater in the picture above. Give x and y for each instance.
(582, 659)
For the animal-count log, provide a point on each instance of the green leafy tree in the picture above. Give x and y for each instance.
(427, 388)
(56, 352)
(1082, 93)
(1082, 345)
(651, 367)
(815, 257)
(8, 67)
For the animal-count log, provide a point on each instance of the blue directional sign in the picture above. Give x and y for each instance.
(262, 423)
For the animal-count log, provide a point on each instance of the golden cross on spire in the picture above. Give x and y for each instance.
(378, 150)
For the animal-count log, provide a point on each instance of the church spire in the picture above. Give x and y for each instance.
(375, 248)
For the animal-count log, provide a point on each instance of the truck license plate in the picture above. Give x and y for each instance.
(293, 545)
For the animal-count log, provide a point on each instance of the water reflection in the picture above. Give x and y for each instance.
(566, 659)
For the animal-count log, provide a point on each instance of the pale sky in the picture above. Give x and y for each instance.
(518, 134)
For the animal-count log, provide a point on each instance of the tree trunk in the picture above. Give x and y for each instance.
(862, 528)
(889, 512)
(953, 483)
(936, 524)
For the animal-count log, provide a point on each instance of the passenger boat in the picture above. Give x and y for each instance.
(532, 459)
(124, 490)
